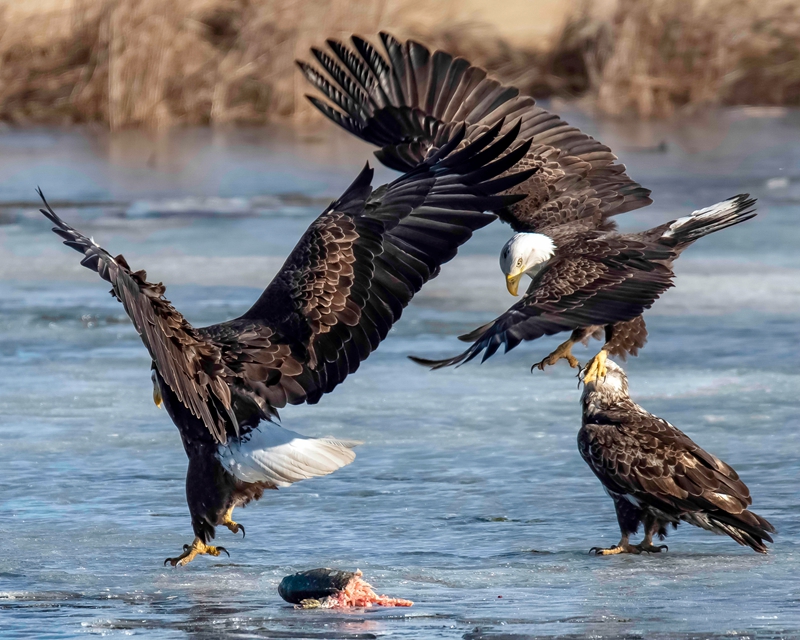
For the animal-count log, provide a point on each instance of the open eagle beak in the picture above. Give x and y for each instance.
(512, 283)
(157, 397)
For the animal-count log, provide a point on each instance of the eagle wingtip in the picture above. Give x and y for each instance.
(433, 365)
(424, 362)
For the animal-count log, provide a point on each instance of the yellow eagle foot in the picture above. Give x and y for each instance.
(612, 551)
(227, 521)
(197, 548)
(235, 527)
(596, 368)
(562, 352)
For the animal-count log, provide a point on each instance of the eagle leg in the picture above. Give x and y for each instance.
(647, 544)
(235, 527)
(596, 367)
(562, 352)
(622, 547)
(197, 548)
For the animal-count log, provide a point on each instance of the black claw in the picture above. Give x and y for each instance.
(241, 526)
(167, 560)
(223, 549)
(186, 547)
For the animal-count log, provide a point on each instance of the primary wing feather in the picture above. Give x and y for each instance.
(189, 363)
(411, 99)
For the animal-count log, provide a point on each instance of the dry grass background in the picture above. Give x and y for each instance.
(158, 63)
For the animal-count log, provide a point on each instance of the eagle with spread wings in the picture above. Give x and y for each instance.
(586, 278)
(656, 475)
(331, 304)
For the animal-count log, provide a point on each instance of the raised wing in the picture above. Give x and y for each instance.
(410, 99)
(590, 281)
(359, 264)
(189, 363)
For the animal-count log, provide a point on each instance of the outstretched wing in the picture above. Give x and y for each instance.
(636, 453)
(359, 264)
(411, 99)
(189, 363)
(590, 281)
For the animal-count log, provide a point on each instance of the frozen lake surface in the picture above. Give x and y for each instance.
(469, 495)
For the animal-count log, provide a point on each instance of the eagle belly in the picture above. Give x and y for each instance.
(279, 457)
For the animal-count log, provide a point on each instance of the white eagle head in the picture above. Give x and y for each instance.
(524, 254)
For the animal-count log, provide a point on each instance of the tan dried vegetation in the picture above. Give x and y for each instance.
(157, 63)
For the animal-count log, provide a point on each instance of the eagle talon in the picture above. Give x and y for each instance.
(562, 352)
(612, 551)
(190, 552)
(235, 527)
(596, 368)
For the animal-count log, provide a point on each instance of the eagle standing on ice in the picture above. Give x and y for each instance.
(331, 304)
(586, 278)
(656, 475)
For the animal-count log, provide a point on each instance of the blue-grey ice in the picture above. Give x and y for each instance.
(469, 495)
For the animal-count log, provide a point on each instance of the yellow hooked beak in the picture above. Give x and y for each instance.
(157, 397)
(512, 283)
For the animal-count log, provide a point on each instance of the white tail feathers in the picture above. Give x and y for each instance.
(714, 218)
(281, 457)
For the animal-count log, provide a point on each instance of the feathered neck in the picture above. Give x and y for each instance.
(604, 393)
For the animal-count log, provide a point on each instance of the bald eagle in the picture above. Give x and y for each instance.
(331, 304)
(593, 278)
(656, 475)
(585, 277)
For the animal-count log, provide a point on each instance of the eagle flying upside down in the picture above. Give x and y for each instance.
(656, 475)
(586, 277)
(331, 304)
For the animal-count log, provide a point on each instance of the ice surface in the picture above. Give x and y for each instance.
(469, 485)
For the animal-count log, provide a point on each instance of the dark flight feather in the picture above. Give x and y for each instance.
(191, 365)
(406, 100)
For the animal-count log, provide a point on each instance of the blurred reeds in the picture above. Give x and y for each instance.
(656, 56)
(156, 63)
